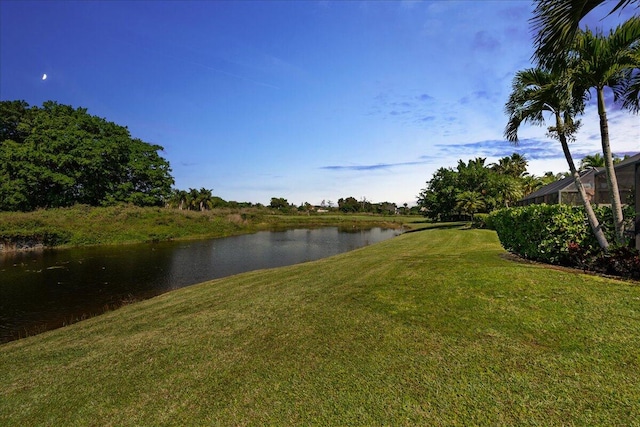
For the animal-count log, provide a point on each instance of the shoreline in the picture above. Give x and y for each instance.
(81, 225)
(7, 247)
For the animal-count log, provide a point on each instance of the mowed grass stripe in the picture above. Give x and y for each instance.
(429, 328)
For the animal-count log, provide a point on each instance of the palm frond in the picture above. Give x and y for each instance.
(629, 92)
(536, 91)
(556, 23)
(609, 60)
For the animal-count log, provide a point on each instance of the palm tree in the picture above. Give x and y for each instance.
(629, 92)
(605, 62)
(556, 24)
(514, 165)
(592, 161)
(530, 183)
(192, 199)
(204, 199)
(508, 189)
(178, 199)
(519, 165)
(502, 167)
(536, 92)
(469, 202)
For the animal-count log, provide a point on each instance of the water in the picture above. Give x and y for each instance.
(48, 289)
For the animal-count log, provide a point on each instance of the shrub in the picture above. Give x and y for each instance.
(621, 261)
(560, 234)
(480, 220)
(544, 232)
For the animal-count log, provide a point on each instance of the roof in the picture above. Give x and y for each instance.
(628, 162)
(565, 183)
(557, 186)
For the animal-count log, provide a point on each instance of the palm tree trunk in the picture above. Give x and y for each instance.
(612, 180)
(591, 215)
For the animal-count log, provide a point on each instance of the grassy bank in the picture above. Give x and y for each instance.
(429, 328)
(84, 225)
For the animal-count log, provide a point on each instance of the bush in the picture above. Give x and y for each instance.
(560, 234)
(622, 261)
(543, 232)
(480, 220)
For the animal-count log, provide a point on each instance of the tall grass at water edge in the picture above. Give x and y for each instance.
(85, 225)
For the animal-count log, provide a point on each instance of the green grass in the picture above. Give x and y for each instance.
(429, 328)
(85, 225)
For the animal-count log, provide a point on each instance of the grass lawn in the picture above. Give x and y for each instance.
(429, 328)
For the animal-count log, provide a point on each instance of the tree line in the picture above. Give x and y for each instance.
(352, 205)
(203, 200)
(58, 156)
(346, 205)
(476, 187)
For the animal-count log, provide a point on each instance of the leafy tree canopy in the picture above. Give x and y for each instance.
(473, 186)
(279, 203)
(56, 156)
(350, 204)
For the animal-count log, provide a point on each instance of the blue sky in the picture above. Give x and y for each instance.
(306, 100)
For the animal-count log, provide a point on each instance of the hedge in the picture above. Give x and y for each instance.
(547, 232)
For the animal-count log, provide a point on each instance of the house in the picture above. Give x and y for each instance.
(594, 181)
(632, 168)
(637, 184)
(563, 191)
(626, 176)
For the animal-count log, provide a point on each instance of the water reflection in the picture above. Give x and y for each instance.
(50, 288)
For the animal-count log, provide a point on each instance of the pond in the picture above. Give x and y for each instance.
(43, 290)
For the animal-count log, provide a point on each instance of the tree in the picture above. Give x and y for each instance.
(498, 185)
(279, 203)
(385, 208)
(192, 199)
(469, 202)
(604, 61)
(350, 204)
(204, 199)
(592, 161)
(507, 188)
(55, 155)
(438, 199)
(146, 180)
(629, 92)
(597, 161)
(306, 207)
(514, 165)
(178, 199)
(219, 202)
(15, 115)
(556, 24)
(531, 183)
(536, 92)
(365, 205)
